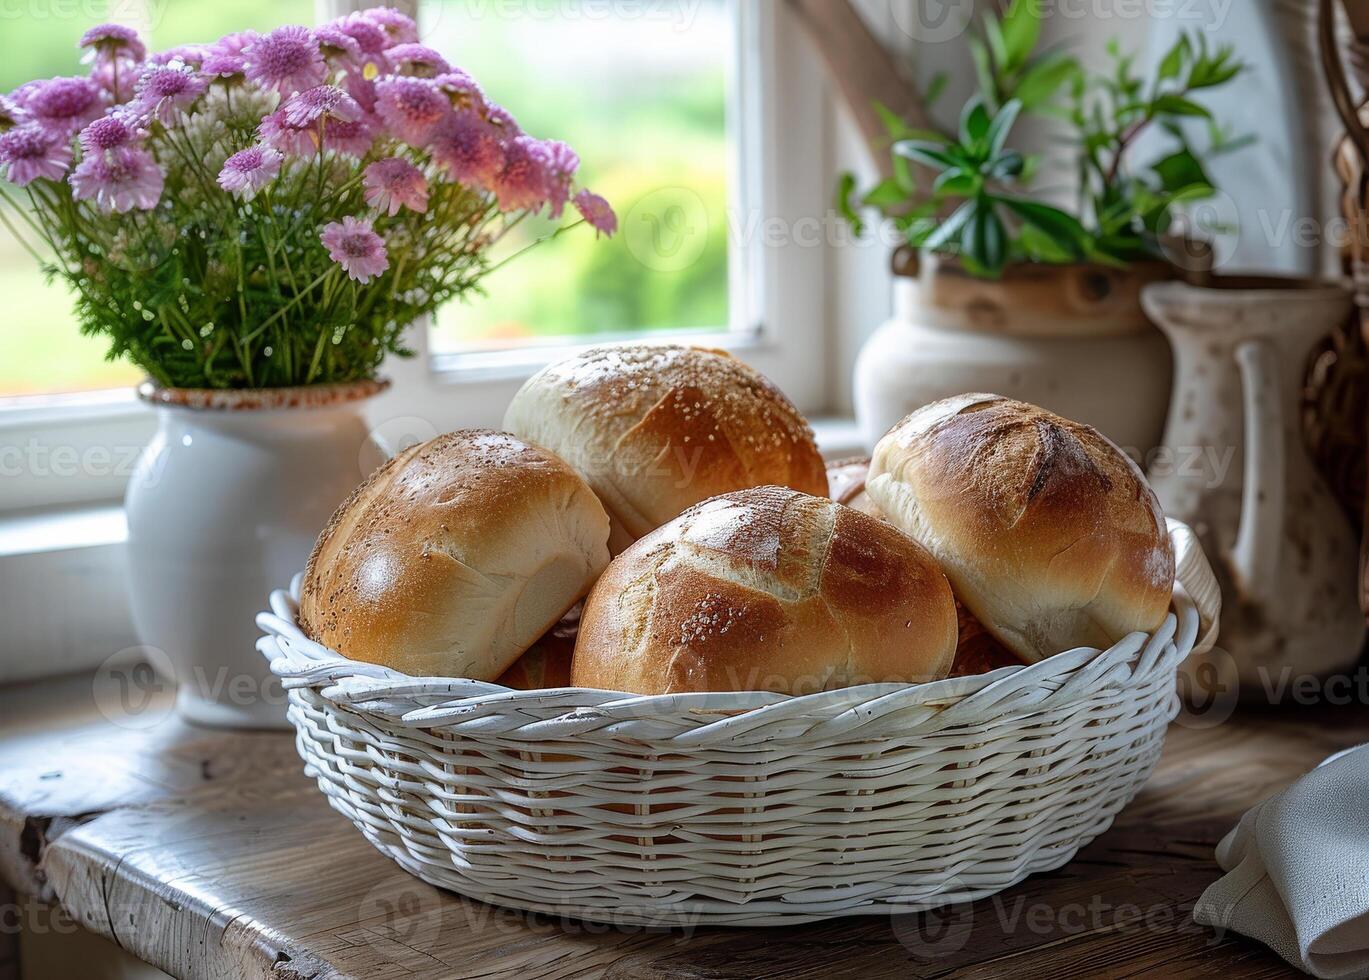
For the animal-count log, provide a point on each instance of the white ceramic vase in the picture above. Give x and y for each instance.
(224, 506)
(1072, 339)
(1236, 470)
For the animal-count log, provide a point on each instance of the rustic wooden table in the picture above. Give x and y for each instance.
(212, 855)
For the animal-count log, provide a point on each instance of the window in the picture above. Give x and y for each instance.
(41, 349)
(640, 89)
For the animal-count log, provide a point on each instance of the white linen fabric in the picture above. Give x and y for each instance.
(1298, 871)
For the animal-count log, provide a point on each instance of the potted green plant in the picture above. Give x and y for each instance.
(255, 222)
(997, 288)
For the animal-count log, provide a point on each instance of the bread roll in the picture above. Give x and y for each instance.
(547, 662)
(766, 589)
(1048, 532)
(846, 482)
(655, 428)
(454, 557)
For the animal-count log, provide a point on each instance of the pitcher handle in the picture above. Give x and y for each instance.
(1255, 557)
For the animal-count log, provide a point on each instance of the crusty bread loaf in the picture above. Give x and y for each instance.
(1048, 532)
(655, 428)
(454, 557)
(846, 483)
(766, 589)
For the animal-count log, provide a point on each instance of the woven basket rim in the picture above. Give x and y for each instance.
(438, 702)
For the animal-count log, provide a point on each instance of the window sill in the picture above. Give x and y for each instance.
(62, 569)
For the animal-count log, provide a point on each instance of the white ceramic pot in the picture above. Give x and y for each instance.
(1072, 339)
(224, 505)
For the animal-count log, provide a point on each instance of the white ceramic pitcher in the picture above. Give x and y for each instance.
(1234, 468)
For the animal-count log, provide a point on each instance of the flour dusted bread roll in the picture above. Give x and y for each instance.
(655, 428)
(1048, 532)
(766, 589)
(454, 557)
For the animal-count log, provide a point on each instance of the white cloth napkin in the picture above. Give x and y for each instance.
(1298, 871)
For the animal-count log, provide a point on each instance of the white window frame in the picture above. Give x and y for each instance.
(76, 450)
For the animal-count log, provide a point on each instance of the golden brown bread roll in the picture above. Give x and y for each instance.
(766, 589)
(846, 483)
(547, 662)
(655, 428)
(454, 557)
(1048, 532)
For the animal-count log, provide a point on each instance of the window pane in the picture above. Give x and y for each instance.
(638, 89)
(41, 348)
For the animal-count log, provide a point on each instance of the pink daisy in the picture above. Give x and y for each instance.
(118, 181)
(354, 245)
(180, 56)
(522, 183)
(10, 114)
(560, 164)
(370, 38)
(108, 42)
(64, 105)
(411, 107)
(502, 119)
(400, 28)
(308, 107)
(468, 150)
(235, 43)
(223, 66)
(29, 152)
(249, 170)
(597, 212)
(287, 59)
(275, 131)
(461, 90)
(168, 90)
(337, 46)
(115, 130)
(117, 78)
(417, 59)
(393, 183)
(351, 137)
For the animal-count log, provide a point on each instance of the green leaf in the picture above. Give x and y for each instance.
(948, 232)
(1173, 62)
(974, 121)
(1063, 228)
(846, 185)
(1041, 247)
(992, 31)
(903, 173)
(1041, 81)
(956, 183)
(1021, 30)
(894, 124)
(1178, 170)
(926, 152)
(985, 239)
(983, 70)
(886, 194)
(1008, 166)
(935, 87)
(1001, 125)
(1177, 105)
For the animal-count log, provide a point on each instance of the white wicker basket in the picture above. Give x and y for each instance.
(740, 809)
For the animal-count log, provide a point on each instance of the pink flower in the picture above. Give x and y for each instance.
(275, 131)
(468, 150)
(559, 163)
(503, 120)
(351, 137)
(393, 183)
(308, 107)
(168, 90)
(522, 183)
(597, 212)
(354, 245)
(461, 90)
(108, 42)
(337, 46)
(287, 59)
(417, 59)
(180, 56)
(370, 38)
(249, 170)
(118, 181)
(10, 114)
(400, 28)
(117, 78)
(411, 107)
(29, 152)
(108, 132)
(63, 105)
(222, 66)
(235, 43)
